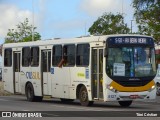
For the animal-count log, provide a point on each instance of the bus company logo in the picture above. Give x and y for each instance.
(33, 75)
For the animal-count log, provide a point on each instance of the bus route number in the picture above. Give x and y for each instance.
(118, 40)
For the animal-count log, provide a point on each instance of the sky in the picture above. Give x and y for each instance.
(60, 18)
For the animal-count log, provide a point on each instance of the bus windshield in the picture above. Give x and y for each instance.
(131, 61)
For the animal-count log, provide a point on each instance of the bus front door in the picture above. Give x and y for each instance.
(16, 71)
(97, 73)
(45, 67)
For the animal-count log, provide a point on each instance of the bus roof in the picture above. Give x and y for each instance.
(83, 39)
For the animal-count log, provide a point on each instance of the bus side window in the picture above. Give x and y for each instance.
(82, 58)
(26, 56)
(8, 57)
(69, 55)
(34, 56)
(56, 55)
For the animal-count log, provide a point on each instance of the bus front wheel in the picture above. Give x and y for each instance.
(83, 96)
(125, 103)
(158, 89)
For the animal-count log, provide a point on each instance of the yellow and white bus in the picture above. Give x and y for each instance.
(95, 68)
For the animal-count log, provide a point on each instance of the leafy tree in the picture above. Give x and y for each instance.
(147, 14)
(23, 33)
(109, 23)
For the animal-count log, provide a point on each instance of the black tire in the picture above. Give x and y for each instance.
(125, 103)
(66, 100)
(83, 97)
(158, 89)
(30, 93)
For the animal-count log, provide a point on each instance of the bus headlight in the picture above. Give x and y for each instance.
(152, 88)
(111, 88)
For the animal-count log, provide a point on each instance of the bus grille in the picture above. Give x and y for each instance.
(133, 83)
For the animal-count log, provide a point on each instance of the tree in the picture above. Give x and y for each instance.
(147, 14)
(109, 23)
(23, 33)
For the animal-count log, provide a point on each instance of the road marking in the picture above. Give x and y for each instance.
(25, 110)
(4, 100)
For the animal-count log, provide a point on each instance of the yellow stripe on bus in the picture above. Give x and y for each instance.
(121, 88)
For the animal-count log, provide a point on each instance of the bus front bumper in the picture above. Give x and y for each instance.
(125, 96)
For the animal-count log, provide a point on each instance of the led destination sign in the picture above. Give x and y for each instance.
(130, 40)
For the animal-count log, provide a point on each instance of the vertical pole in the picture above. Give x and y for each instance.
(122, 7)
(33, 20)
(85, 28)
(131, 25)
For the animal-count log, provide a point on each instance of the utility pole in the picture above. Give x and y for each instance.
(122, 7)
(131, 25)
(33, 20)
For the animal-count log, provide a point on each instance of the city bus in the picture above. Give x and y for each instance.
(93, 68)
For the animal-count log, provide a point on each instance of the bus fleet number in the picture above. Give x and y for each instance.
(111, 96)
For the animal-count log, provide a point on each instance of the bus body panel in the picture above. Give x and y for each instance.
(65, 80)
(8, 79)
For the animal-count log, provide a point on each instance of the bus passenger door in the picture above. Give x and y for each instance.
(45, 67)
(97, 73)
(16, 71)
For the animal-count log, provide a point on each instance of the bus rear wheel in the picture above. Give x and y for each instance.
(83, 96)
(125, 103)
(30, 94)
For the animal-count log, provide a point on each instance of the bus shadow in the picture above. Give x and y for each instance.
(103, 105)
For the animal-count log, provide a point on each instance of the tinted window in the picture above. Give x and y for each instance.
(69, 55)
(25, 56)
(8, 57)
(82, 58)
(34, 56)
(56, 54)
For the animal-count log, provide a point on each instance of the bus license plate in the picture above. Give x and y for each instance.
(134, 96)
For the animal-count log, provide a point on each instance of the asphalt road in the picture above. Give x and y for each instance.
(55, 109)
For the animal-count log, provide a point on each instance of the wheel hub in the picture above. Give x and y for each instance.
(84, 96)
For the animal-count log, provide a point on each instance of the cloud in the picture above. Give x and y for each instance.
(10, 17)
(98, 7)
(67, 28)
(67, 25)
(13, 14)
